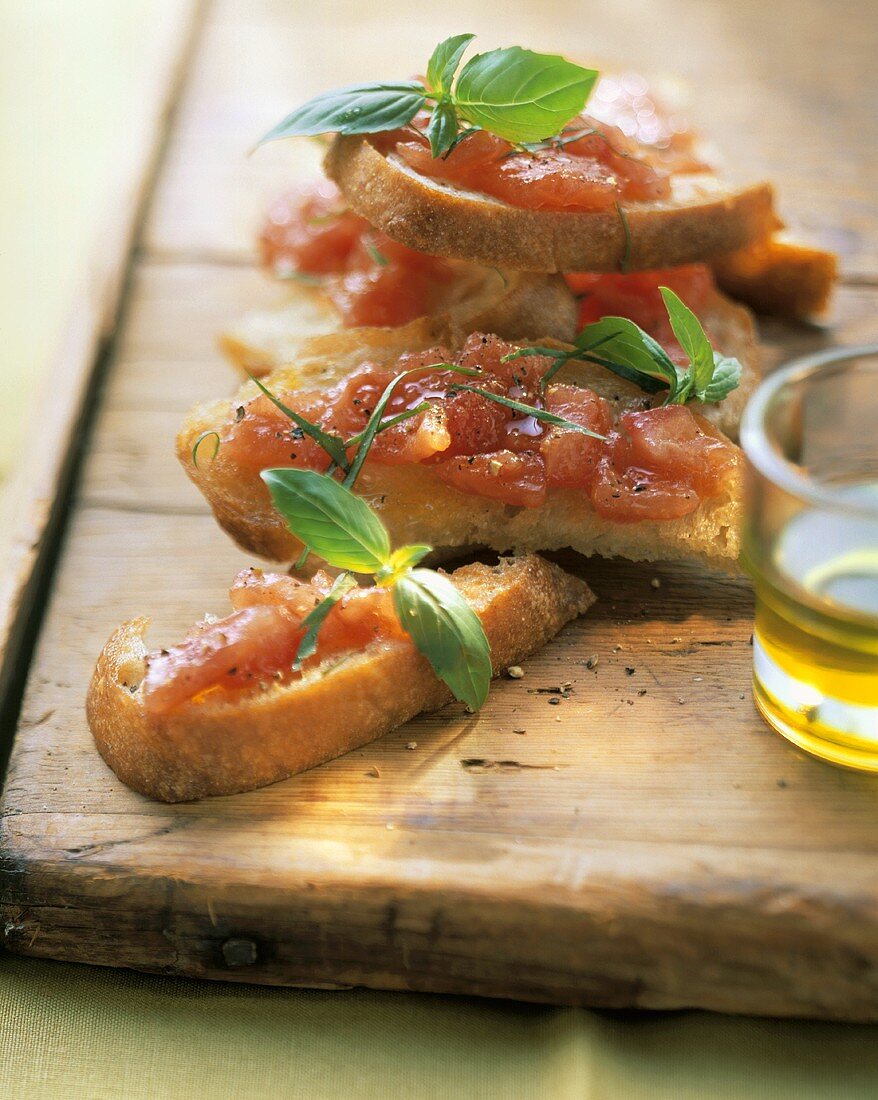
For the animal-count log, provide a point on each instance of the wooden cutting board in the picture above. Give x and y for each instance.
(645, 841)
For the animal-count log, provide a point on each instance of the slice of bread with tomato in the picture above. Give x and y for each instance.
(704, 216)
(223, 742)
(413, 500)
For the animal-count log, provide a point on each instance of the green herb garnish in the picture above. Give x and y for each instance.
(517, 94)
(348, 534)
(634, 355)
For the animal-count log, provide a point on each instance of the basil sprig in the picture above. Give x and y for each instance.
(516, 94)
(347, 533)
(632, 354)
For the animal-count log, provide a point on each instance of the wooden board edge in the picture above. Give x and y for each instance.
(746, 946)
(37, 494)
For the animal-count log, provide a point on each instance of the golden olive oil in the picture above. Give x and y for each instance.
(816, 635)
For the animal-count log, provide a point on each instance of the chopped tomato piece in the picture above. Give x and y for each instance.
(518, 479)
(238, 651)
(371, 279)
(262, 436)
(310, 231)
(572, 458)
(677, 442)
(259, 640)
(587, 173)
(634, 495)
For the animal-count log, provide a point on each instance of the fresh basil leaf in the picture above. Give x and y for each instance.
(313, 621)
(529, 410)
(628, 346)
(330, 519)
(692, 339)
(355, 109)
(443, 64)
(442, 129)
(726, 377)
(332, 444)
(520, 95)
(447, 631)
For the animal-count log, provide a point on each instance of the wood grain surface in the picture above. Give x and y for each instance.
(645, 841)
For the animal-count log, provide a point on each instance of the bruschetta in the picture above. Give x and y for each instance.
(224, 711)
(660, 483)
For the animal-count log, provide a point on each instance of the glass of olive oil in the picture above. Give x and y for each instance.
(810, 435)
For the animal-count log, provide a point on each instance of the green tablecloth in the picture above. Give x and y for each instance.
(81, 1033)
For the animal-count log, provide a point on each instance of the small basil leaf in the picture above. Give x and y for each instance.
(442, 129)
(726, 377)
(520, 95)
(627, 345)
(447, 631)
(443, 64)
(692, 339)
(330, 519)
(313, 621)
(355, 109)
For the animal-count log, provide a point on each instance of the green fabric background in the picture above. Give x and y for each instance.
(82, 1033)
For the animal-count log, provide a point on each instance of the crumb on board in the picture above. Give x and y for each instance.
(411, 745)
(515, 672)
(373, 772)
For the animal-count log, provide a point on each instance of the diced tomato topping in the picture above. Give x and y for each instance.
(259, 640)
(371, 279)
(592, 167)
(310, 231)
(518, 479)
(262, 436)
(235, 652)
(654, 463)
(572, 458)
(631, 495)
(676, 442)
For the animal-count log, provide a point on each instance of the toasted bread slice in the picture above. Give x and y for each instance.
(417, 506)
(779, 275)
(514, 304)
(705, 217)
(231, 743)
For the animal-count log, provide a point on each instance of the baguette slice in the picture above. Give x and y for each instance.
(513, 304)
(418, 507)
(704, 218)
(226, 745)
(779, 275)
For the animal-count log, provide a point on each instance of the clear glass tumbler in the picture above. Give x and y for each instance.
(810, 435)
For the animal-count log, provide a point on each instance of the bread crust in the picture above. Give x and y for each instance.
(224, 744)
(704, 218)
(417, 506)
(513, 304)
(779, 276)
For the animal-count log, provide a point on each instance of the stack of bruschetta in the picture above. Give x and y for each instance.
(508, 294)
